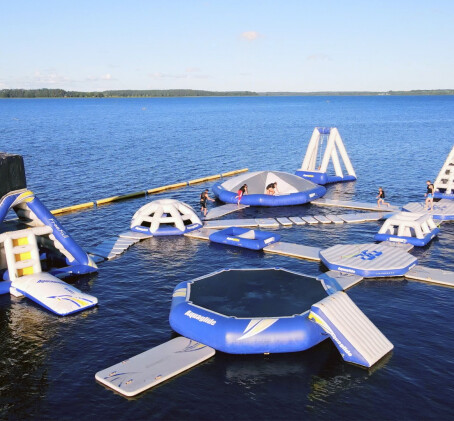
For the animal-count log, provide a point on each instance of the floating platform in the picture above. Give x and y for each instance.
(323, 219)
(113, 247)
(442, 210)
(354, 205)
(335, 219)
(297, 220)
(220, 211)
(435, 276)
(334, 280)
(227, 223)
(309, 220)
(267, 223)
(148, 369)
(294, 250)
(245, 238)
(284, 221)
(368, 260)
(407, 227)
(201, 233)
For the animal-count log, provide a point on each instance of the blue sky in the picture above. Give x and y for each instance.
(257, 45)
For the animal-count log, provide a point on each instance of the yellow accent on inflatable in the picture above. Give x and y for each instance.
(20, 241)
(25, 271)
(23, 256)
(229, 173)
(73, 208)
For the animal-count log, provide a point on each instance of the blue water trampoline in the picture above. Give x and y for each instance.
(249, 311)
(289, 190)
(244, 237)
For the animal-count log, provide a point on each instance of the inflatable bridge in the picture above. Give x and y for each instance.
(35, 249)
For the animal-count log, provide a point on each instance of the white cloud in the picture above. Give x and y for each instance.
(250, 35)
(192, 70)
(107, 76)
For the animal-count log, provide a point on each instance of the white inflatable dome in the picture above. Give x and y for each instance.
(165, 217)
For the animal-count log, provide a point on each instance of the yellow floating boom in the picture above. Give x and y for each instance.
(168, 187)
(229, 173)
(73, 208)
(122, 197)
(201, 180)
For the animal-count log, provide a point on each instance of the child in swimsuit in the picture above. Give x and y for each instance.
(429, 196)
(381, 197)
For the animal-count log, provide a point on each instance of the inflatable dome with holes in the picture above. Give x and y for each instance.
(290, 189)
(165, 217)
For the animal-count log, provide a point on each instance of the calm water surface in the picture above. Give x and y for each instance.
(81, 150)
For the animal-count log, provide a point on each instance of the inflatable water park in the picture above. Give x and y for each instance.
(236, 311)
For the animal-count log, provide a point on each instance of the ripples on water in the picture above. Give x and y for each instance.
(87, 149)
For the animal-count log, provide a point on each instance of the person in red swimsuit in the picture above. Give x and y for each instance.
(241, 192)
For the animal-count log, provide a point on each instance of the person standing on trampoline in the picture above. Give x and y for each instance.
(203, 201)
(381, 197)
(241, 192)
(429, 196)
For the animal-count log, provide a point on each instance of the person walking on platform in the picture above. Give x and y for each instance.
(203, 201)
(429, 196)
(381, 197)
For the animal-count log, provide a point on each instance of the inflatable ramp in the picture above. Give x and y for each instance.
(444, 184)
(358, 340)
(139, 373)
(224, 210)
(315, 167)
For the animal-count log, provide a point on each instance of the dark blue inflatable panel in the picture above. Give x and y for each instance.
(323, 178)
(231, 236)
(439, 195)
(166, 230)
(269, 200)
(324, 130)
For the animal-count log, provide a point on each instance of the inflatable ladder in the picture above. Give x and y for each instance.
(22, 254)
(358, 340)
(26, 276)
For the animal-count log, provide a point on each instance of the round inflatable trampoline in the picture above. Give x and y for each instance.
(288, 190)
(249, 311)
(165, 217)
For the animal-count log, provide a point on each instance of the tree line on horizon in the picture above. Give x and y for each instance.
(61, 93)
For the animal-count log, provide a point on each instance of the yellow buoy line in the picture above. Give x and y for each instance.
(145, 192)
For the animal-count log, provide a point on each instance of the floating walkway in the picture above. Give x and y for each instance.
(294, 220)
(435, 276)
(220, 211)
(113, 247)
(443, 210)
(294, 250)
(354, 205)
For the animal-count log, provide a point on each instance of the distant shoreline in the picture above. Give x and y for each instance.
(178, 93)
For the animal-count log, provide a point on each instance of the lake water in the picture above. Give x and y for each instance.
(79, 150)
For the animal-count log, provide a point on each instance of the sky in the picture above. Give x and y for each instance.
(227, 45)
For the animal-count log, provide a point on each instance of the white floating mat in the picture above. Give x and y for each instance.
(335, 218)
(227, 223)
(297, 220)
(139, 373)
(353, 217)
(284, 221)
(368, 260)
(201, 233)
(135, 235)
(436, 276)
(373, 216)
(309, 219)
(224, 210)
(444, 209)
(402, 246)
(322, 219)
(294, 250)
(353, 205)
(267, 223)
(53, 293)
(344, 280)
